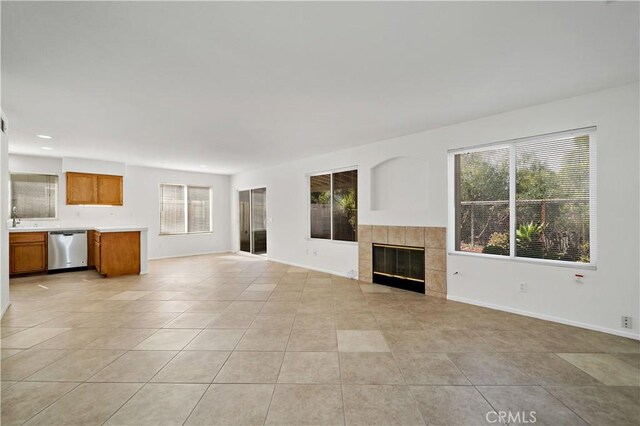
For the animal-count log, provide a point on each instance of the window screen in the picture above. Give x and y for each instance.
(199, 209)
(321, 206)
(345, 205)
(34, 196)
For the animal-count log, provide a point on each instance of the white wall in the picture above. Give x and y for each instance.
(141, 202)
(607, 293)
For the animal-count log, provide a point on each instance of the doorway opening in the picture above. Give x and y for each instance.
(252, 208)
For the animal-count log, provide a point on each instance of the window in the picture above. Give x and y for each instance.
(531, 198)
(334, 206)
(34, 196)
(185, 209)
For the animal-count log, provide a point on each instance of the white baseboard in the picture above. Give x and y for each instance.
(190, 254)
(299, 265)
(607, 330)
(251, 255)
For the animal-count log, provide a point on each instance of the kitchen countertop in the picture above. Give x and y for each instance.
(105, 229)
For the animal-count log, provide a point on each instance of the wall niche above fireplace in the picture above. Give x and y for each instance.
(399, 266)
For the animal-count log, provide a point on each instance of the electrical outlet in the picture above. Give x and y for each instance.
(523, 287)
(626, 322)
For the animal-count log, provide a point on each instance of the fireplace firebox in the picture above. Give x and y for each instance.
(399, 266)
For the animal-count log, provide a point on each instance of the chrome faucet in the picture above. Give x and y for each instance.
(14, 216)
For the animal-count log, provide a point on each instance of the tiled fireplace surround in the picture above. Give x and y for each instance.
(432, 239)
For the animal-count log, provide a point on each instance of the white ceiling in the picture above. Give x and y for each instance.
(237, 86)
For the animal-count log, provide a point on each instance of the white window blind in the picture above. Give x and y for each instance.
(552, 199)
(199, 209)
(34, 196)
(172, 209)
(184, 209)
(532, 198)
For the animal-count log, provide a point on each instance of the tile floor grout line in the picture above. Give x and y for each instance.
(73, 351)
(197, 403)
(125, 402)
(54, 401)
(565, 405)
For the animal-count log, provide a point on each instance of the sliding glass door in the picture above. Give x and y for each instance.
(244, 209)
(252, 210)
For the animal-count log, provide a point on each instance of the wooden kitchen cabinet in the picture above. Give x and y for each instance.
(82, 188)
(110, 190)
(91, 248)
(97, 251)
(117, 253)
(27, 252)
(90, 188)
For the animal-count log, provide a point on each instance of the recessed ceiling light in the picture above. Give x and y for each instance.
(47, 148)
(203, 165)
(44, 137)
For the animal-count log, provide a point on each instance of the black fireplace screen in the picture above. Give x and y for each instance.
(399, 266)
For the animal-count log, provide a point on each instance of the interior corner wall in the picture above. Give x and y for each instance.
(141, 203)
(4, 214)
(598, 303)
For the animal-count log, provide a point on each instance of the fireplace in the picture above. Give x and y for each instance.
(399, 266)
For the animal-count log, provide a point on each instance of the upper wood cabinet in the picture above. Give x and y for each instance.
(82, 188)
(89, 188)
(110, 190)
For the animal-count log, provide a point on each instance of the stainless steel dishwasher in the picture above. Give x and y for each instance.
(67, 249)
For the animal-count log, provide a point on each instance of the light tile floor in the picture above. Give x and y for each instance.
(227, 339)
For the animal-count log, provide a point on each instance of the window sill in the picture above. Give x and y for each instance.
(545, 262)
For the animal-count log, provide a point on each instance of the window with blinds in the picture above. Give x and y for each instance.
(198, 209)
(333, 200)
(184, 209)
(34, 196)
(532, 198)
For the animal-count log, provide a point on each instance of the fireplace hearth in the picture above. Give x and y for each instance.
(399, 266)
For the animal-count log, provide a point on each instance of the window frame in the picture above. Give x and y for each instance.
(591, 131)
(308, 200)
(56, 198)
(186, 209)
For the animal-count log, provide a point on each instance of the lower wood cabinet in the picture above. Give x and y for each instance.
(116, 253)
(112, 253)
(27, 252)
